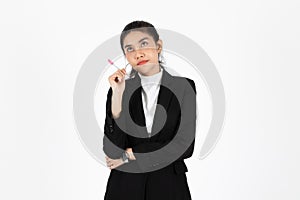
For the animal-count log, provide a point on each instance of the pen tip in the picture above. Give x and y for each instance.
(111, 62)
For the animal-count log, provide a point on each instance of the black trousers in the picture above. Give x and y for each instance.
(168, 183)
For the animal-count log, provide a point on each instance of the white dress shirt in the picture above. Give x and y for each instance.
(151, 86)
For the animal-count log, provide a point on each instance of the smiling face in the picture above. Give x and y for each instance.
(142, 51)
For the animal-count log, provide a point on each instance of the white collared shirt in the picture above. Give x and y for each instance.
(151, 86)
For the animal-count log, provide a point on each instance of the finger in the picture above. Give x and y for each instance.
(123, 71)
(114, 166)
(110, 163)
(117, 75)
(111, 167)
(120, 73)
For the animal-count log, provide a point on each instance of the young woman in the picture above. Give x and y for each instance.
(146, 88)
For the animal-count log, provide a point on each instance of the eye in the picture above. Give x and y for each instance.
(129, 49)
(144, 43)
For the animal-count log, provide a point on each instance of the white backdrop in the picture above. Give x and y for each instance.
(254, 44)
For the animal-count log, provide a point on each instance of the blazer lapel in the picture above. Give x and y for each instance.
(163, 101)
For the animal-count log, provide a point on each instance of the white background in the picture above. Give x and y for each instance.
(254, 44)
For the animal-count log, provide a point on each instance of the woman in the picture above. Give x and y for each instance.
(133, 175)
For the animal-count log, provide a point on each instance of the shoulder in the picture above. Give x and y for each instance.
(185, 80)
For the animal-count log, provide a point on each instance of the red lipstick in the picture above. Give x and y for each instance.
(142, 62)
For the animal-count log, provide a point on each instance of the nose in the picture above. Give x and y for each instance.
(139, 54)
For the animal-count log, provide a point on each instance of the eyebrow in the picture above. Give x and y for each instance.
(139, 42)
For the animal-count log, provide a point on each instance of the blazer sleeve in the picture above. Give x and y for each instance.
(115, 139)
(188, 108)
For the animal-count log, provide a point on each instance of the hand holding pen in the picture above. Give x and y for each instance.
(123, 70)
(117, 80)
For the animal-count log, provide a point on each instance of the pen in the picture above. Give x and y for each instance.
(112, 63)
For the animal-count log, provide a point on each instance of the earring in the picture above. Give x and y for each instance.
(161, 58)
(132, 72)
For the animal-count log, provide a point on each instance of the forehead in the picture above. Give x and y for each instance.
(134, 37)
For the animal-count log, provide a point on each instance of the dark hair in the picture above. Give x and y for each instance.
(141, 26)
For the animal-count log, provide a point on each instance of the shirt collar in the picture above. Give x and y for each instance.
(155, 78)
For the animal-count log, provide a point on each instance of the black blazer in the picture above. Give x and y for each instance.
(180, 107)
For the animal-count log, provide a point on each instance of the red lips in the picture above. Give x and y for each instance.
(142, 62)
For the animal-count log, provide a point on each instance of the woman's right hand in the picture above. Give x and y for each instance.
(120, 85)
(117, 91)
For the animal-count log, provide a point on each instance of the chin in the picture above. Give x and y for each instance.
(142, 71)
(142, 68)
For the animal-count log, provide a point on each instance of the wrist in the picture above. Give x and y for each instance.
(125, 157)
(130, 154)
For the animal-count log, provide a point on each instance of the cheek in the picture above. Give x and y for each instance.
(130, 58)
(153, 55)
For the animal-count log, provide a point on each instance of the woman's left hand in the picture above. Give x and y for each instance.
(113, 163)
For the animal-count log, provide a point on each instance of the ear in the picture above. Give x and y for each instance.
(159, 44)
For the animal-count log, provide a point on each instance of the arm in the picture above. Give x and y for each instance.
(152, 146)
(114, 140)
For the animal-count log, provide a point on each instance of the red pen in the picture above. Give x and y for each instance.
(112, 63)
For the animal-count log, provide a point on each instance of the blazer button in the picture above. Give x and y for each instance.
(111, 129)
